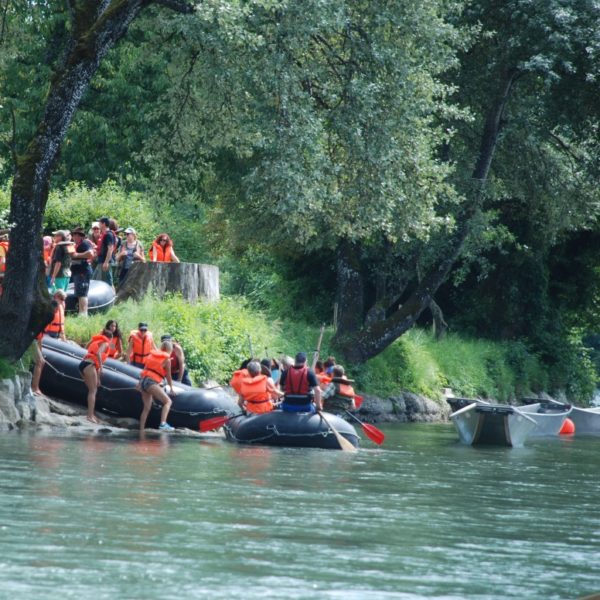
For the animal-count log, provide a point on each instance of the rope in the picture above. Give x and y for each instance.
(277, 433)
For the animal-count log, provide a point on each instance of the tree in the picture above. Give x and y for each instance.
(95, 27)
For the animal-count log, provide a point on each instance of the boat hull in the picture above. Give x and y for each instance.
(118, 394)
(492, 424)
(279, 428)
(586, 420)
(549, 417)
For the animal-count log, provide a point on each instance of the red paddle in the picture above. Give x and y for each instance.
(358, 400)
(214, 423)
(374, 434)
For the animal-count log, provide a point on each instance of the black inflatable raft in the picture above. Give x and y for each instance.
(117, 393)
(100, 297)
(279, 428)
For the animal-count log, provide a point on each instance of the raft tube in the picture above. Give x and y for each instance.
(117, 393)
(100, 297)
(279, 428)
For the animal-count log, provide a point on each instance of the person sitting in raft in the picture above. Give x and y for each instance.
(162, 250)
(115, 348)
(265, 369)
(156, 368)
(91, 369)
(301, 388)
(275, 371)
(256, 390)
(237, 376)
(139, 345)
(56, 328)
(179, 370)
(338, 396)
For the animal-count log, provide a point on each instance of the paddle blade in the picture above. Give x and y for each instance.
(214, 423)
(374, 434)
(358, 400)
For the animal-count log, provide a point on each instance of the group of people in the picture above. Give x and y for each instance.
(106, 253)
(292, 386)
(165, 361)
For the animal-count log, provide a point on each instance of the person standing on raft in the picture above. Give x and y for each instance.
(156, 368)
(301, 388)
(91, 369)
(257, 390)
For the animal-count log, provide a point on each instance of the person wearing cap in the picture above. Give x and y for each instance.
(81, 268)
(301, 387)
(139, 345)
(131, 251)
(338, 396)
(60, 266)
(178, 367)
(106, 248)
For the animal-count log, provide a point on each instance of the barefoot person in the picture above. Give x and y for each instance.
(156, 368)
(39, 365)
(91, 369)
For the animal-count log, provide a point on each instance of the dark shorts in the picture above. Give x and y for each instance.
(84, 364)
(146, 383)
(185, 379)
(81, 283)
(52, 334)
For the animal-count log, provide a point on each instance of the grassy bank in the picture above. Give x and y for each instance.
(217, 337)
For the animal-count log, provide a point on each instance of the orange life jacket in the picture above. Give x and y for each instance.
(58, 321)
(154, 365)
(254, 391)
(114, 347)
(161, 255)
(141, 346)
(92, 350)
(346, 390)
(4, 246)
(47, 255)
(236, 380)
(323, 380)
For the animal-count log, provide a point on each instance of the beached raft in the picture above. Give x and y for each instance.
(279, 428)
(117, 393)
(100, 297)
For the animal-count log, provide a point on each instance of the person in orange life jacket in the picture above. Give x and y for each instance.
(328, 365)
(162, 250)
(81, 269)
(156, 368)
(179, 370)
(237, 376)
(301, 388)
(115, 348)
(39, 365)
(322, 377)
(256, 390)
(56, 328)
(139, 345)
(338, 396)
(91, 369)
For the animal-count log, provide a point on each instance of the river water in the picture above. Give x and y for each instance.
(420, 517)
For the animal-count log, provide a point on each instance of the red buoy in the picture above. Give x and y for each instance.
(568, 428)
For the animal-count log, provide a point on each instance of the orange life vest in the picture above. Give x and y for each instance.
(92, 350)
(323, 380)
(346, 390)
(154, 365)
(114, 347)
(58, 321)
(161, 255)
(254, 391)
(141, 346)
(47, 255)
(236, 380)
(4, 246)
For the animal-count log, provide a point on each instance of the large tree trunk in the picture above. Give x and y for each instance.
(25, 304)
(350, 290)
(372, 338)
(192, 280)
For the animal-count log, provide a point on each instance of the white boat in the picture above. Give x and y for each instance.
(492, 424)
(586, 420)
(549, 416)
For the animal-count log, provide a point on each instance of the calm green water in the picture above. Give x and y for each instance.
(170, 517)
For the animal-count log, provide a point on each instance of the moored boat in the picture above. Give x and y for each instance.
(492, 424)
(548, 415)
(586, 420)
(118, 393)
(280, 428)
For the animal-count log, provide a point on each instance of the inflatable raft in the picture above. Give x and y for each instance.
(279, 428)
(100, 297)
(117, 393)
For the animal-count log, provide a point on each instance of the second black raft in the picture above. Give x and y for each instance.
(279, 428)
(117, 393)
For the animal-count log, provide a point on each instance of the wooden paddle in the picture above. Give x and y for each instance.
(374, 434)
(318, 350)
(345, 445)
